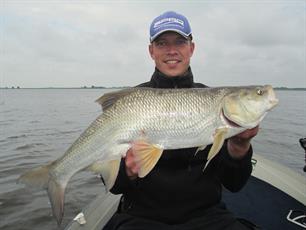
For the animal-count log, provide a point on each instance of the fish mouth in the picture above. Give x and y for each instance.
(273, 102)
(230, 122)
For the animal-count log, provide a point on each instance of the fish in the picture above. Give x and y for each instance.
(148, 121)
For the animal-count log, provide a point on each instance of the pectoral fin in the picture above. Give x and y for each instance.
(146, 156)
(108, 169)
(217, 144)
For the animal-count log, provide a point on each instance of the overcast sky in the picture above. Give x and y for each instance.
(105, 43)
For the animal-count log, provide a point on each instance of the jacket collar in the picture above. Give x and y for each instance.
(159, 80)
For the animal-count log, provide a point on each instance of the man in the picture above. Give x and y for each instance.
(177, 194)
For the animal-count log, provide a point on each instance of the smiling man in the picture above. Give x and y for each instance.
(177, 194)
(171, 53)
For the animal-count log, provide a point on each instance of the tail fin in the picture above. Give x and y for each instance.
(56, 193)
(41, 178)
(38, 177)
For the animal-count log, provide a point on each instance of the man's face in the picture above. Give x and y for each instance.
(171, 53)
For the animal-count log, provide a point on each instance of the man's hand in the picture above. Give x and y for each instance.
(130, 165)
(239, 145)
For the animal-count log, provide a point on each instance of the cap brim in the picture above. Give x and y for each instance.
(169, 30)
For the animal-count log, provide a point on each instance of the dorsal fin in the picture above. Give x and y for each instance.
(108, 99)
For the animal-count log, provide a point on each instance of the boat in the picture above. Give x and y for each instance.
(274, 198)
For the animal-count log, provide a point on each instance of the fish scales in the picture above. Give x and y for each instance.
(172, 114)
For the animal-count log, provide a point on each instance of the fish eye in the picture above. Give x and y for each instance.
(259, 92)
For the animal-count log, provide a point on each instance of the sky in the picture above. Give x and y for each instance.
(76, 43)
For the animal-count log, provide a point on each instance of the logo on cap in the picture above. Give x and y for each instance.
(166, 21)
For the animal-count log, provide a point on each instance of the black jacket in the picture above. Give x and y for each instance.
(177, 189)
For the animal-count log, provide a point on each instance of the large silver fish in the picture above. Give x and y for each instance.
(149, 121)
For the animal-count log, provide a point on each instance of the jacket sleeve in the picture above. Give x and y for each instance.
(234, 173)
(123, 183)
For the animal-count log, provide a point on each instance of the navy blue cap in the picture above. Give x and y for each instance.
(169, 21)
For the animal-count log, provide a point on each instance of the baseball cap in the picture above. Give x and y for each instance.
(169, 21)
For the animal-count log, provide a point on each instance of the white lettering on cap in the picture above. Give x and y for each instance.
(167, 21)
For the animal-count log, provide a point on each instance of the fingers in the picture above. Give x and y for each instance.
(131, 167)
(239, 145)
(248, 134)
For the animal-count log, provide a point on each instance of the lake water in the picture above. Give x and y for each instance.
(38, 125)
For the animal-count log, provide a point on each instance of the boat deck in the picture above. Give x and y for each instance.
(264, 205)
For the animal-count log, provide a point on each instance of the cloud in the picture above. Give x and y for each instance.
(254, 43)
(76, 43)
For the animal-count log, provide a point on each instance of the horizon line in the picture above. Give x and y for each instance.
(112, 87)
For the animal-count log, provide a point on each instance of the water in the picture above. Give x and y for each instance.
(38, 125)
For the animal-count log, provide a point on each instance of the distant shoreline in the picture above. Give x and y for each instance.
(285, 88)
(121, 87)
(96, 87)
